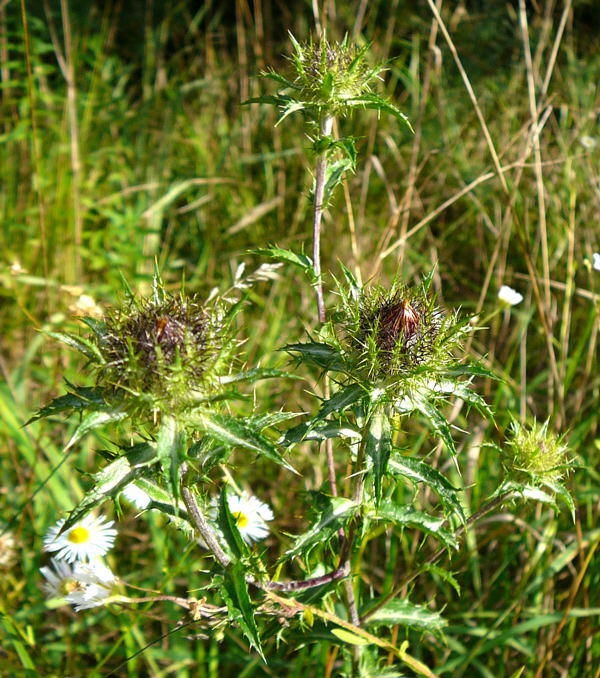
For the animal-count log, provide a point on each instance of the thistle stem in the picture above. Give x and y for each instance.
(320, 172)
(357, 496)
(198, 520)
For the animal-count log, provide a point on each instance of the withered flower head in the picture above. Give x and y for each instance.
(167, 348)
(398, 333)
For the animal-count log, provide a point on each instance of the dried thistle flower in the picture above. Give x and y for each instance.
(168, 349)
(535, 454)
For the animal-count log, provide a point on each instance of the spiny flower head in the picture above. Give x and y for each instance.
(535, 454)
(395, 334)
(168, 349)
(328, 79)
(328, 74)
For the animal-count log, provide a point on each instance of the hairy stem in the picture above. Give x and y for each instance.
(320, 172)
(199, 521)
(359, 485)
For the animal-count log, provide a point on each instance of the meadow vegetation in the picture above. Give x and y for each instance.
(124, 149)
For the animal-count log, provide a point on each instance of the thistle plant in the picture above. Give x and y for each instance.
(166, 374)
(328, 80)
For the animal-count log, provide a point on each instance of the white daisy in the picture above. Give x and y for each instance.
(60, 579)
(136, 496)
(89, 538)
(596, 261)
(96, 583)
(251, 516)
(509, 296)
(8, 550)
(588, 142)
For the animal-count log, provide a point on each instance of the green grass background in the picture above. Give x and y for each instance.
(122, 142)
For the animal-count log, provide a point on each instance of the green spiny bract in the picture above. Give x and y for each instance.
(165, 353)
(329, 74)
(535, 455)
(395, 336)
(328, 79)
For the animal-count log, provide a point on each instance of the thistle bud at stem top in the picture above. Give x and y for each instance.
(535, 454)
(397, 333)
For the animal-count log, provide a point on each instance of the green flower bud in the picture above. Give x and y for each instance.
(535, 454)
(328, 74)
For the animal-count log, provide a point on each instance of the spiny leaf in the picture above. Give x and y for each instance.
(272, 99)
(462, 390)
(370, 100)
(341, 400)
(475, 370)
(81, 399)
(444, 575)
(407, 515)
(273, 75)
(81, 344)
(258, 373)
(405, 613)
(335, 174)
(337, 403)
(335, 514)
(263, 421)
(94, 420)
(559, 489)
(328, 429)
(237, 433)
(379, 447)
(287, 256)
(437, 421)
(234, 589)
(419, 471)
(322, 355)
(170, 449)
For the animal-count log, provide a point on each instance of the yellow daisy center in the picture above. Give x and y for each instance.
(79, 535)
(68, 586)
(241, 520)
